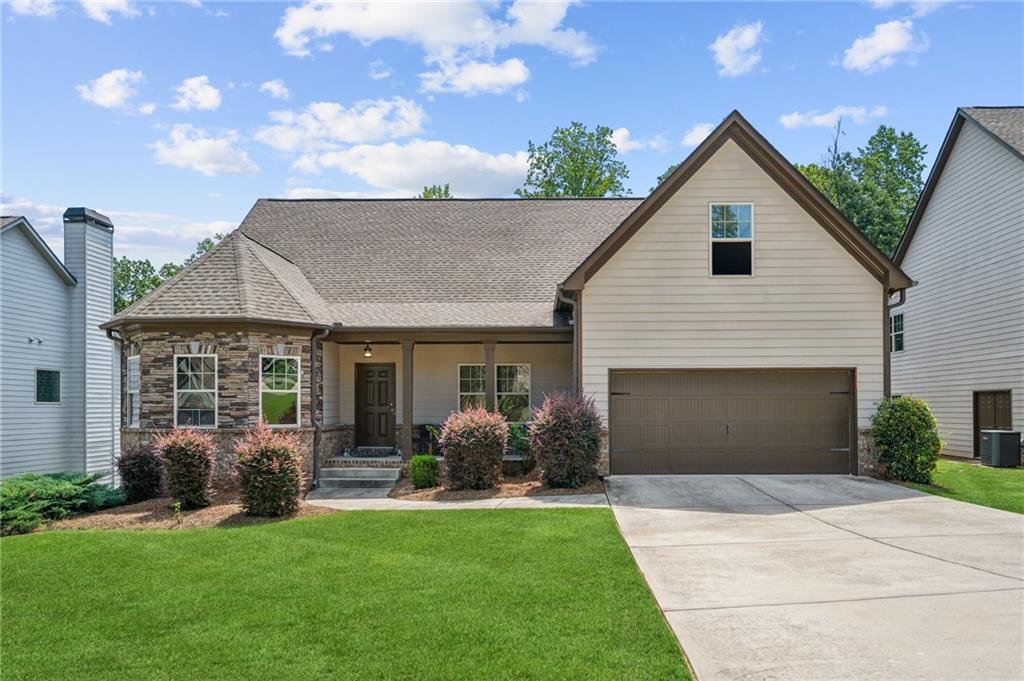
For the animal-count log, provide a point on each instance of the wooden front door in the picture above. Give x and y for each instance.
(375, 405)
(991, 412)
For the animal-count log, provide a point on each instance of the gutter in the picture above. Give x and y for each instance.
(571, 302)
(115, 422)
(316, 405)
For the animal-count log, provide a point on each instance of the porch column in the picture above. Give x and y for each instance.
(407, 425)
(489, 377)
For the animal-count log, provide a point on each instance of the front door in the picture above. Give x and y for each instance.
(991, 412)
(375, 405)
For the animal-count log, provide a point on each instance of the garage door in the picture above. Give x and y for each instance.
(730, 421)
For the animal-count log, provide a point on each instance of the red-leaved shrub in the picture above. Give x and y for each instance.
(565, 436)
(473, 443)
(269, 471)
(188, 456)
(141, 473)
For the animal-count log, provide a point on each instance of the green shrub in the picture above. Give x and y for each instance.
(29, 500)
(142, 474)
(473, 442)
(906, 439)
(565, 436)
(269, 471)
(519, 445)
(188, 457)
(424, 471)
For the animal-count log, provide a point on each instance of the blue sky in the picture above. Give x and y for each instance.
(173, 117)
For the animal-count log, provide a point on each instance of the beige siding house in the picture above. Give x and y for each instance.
(732, 321)
(960, 340)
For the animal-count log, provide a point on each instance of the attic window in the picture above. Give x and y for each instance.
(732, 239)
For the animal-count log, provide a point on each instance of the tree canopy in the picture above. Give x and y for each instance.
(575, 162)
(133, 279)
(436, 191)
(664, 176)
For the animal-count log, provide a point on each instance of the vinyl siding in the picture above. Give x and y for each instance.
(435, 374)
(331, 354)
(964, 321)
(33, 303)
(809, 303)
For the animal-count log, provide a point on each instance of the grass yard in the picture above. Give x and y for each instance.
(461, 594)
(996, 487)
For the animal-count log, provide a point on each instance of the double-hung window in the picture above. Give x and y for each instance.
(279, 390)
(472, 386)
(134, 381)
(195, 391)
(732, 239)
(512, 388)
(896, 333)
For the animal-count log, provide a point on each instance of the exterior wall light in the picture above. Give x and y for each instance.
(367, 351)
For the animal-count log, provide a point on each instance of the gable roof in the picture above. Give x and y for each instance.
(1004, 123)
(19, 221)
(737, 129)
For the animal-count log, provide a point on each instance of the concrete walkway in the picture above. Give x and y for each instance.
(828, 577)
(378, 500)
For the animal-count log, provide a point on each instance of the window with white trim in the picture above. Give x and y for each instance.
(732, 239)
(47, 386)
(513, 391)
(134, 382)
(279, 390)
(195, 391)
(896, 333)
(472, 386)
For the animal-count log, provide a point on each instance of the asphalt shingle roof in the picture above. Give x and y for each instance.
(8, 219)
(393, 263)
(1005, 122)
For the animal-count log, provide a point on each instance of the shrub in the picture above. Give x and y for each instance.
(424, 470)
(565, 436)
(28, 500)
(473, 442)
(142, 474)
(906, 439)
(269, 471)
(519, 445)
(188, 457)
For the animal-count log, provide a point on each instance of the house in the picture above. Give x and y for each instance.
(958, 341)
(60, 390)
(732, 321)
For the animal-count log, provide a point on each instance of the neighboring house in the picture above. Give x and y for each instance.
(59, 393)
(958, 341)
(732, 321)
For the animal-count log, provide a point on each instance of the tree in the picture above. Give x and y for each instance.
(436, 191)
(575, 162)
(133, 279)
(664, 176)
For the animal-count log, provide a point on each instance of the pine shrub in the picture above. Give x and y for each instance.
(29, 500)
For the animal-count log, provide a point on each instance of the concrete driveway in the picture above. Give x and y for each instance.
(828, 577)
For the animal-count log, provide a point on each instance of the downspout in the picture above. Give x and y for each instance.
(316, 404)
(887, 341)
(571, 302)
(115, 422)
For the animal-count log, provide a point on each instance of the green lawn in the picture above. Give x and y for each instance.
(996, 487)
(509, 594)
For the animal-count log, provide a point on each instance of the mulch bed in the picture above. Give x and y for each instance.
(158, 514)
(518, 486)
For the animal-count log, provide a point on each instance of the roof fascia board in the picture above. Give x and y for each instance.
(44, 249)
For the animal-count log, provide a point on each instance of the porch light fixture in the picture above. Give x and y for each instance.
(367, 351)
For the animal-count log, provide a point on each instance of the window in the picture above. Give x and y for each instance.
(732, 235)
(513, 389)
(195, 391)
(279, 390)
(133, 391)
(896, 333)
(472, 386)
(47, 386)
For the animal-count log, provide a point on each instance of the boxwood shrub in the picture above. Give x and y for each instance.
(269, 471)
(565, 436)
(473, 443)
(424, 471)
(28, 500)
(142, 474)
(188, 457)
(906, 439)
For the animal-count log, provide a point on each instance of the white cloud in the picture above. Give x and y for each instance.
(276, 89)
(736, 52)
(102, 10)
(34, 8)
(918, 8)
(408, 167)
(828, 119)
(112, 90)
(189, 147)
(697, 134)
(325, 124)
(379, 70)
(197, 93)
(147, 108)
(475, 77)
(624, 142)
(880, 50)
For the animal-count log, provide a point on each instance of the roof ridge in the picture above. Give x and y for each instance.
(281, 282)
(536, 199)
(241, 280)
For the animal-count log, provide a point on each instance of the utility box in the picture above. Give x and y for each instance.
(1000, 448)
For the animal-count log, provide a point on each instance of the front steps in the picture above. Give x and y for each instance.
(359, 478)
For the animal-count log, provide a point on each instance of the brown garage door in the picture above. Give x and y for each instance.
(730, 421)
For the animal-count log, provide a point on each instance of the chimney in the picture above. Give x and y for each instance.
(94, 363)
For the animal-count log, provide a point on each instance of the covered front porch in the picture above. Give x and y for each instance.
(382, 388)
